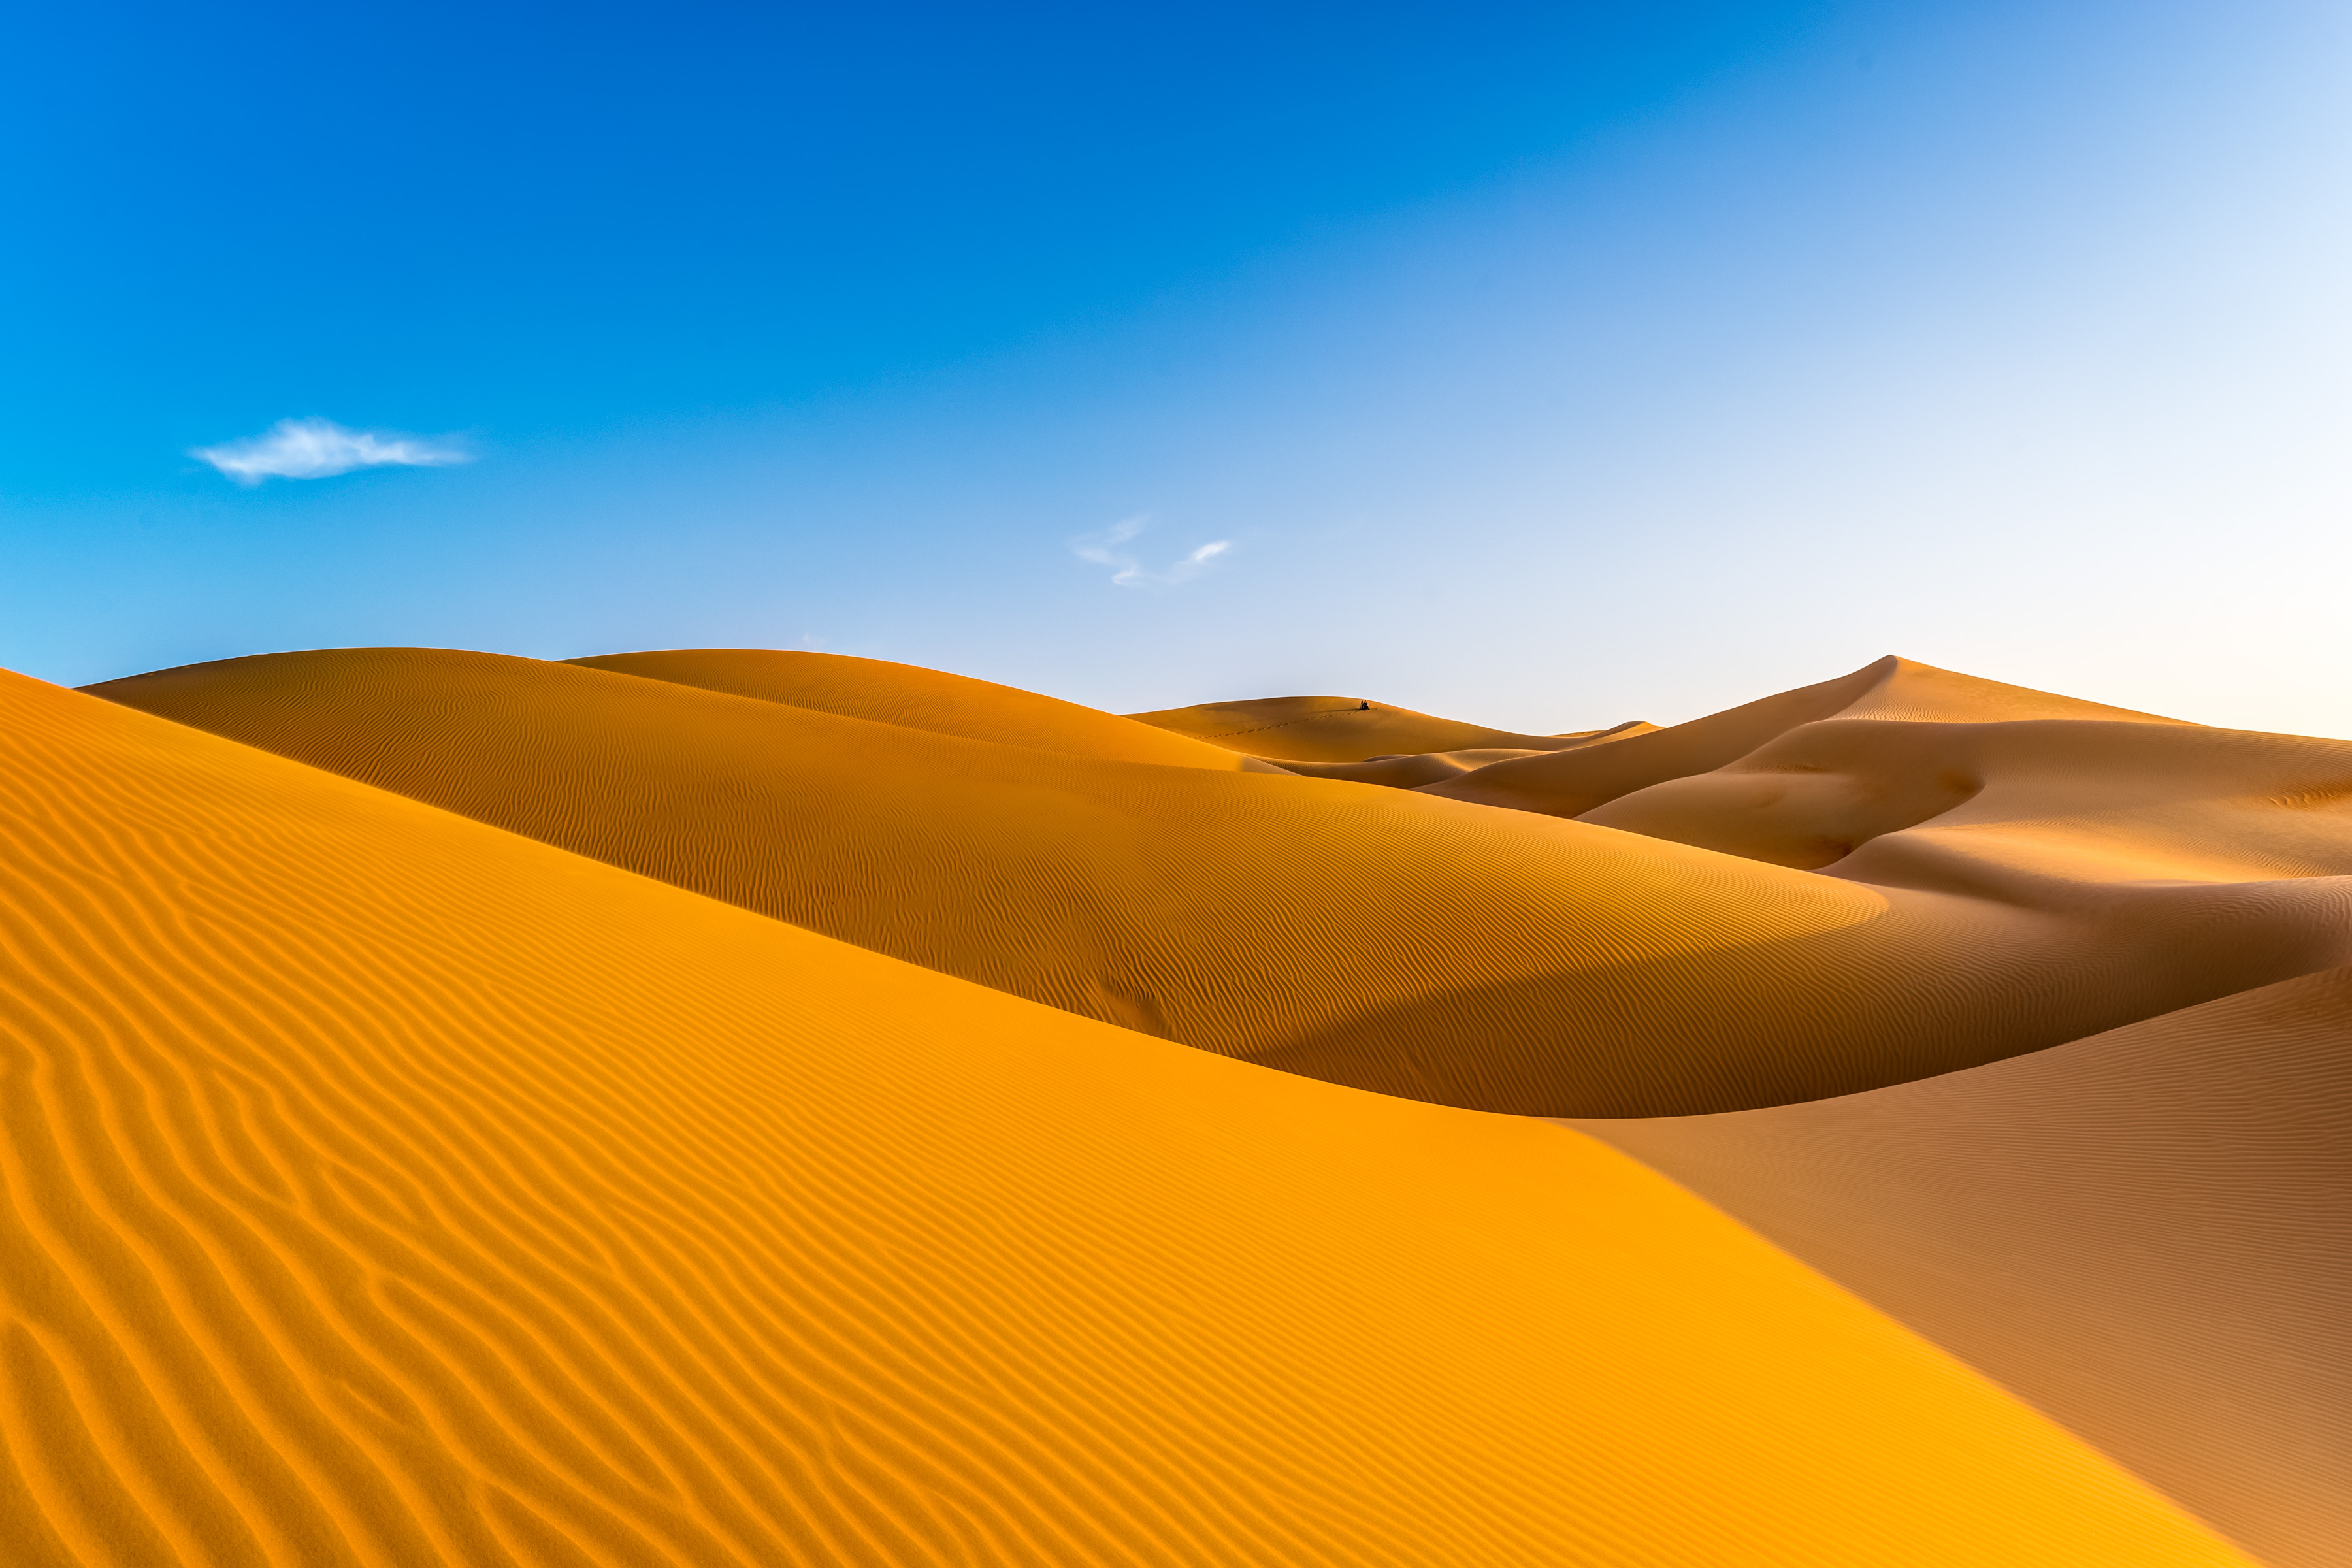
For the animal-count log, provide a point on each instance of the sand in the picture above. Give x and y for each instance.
(1386, 939)
(1336, 728)
(383, 1187)
(2146, 1234)
(919, 699)
(731, 1106)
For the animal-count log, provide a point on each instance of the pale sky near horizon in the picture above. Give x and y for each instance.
(1539, 366)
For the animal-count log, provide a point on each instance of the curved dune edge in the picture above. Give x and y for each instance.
(1414, 769)
(1890, 689)
(1930, 783)
(2146, 1234)
(383, 1188)
(919, 699)
(1382, 938)
(1335, 730)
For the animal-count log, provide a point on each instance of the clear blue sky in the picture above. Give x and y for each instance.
(1546, 365)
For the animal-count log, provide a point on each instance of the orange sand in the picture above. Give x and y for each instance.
(920, 700)
(2147, 1234)
(383, 1187)
(1336, 728)
(1381, 938)
(405, 1166)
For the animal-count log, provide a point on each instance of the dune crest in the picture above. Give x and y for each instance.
(1378, 938)
(918, 699)
(1894, 688)
(1336, 730)
(383, 1188)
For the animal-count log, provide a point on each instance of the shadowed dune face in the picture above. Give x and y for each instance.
(2146, 1234)
(1903, 777)
(1502, 961)
(382, 1188)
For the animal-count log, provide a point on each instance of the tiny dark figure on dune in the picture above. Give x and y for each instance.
(1363, 707)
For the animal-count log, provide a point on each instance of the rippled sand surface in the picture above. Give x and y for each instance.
(738, 1107)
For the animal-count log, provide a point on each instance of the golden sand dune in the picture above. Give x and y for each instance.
(920, 700)
(1904, 777)
(1412, 770)
(2009, 807)
(1892, 689)
(1336, 729)
(383, 1188)
(1388, 939)
(2146, 1234)
(1409, 771)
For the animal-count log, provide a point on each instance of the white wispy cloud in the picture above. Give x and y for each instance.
(318, 448)
(1104, 549)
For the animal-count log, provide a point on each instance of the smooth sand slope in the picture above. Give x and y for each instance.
(383, 1188)
(1890, 689)
(1971, 790)
(921, 699)
(1414, 770)
(1498, 960)
(2146, 1234)
(1336, 728)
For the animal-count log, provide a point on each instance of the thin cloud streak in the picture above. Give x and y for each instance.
(320, 448)
(1127, 570)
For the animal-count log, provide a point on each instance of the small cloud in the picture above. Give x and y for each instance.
(1127, 571)
(318, 448)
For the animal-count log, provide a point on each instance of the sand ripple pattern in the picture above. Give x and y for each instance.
(380, 1188)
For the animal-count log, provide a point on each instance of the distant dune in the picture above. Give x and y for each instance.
(663, 1109)
(1381, 938)
(1335, 728)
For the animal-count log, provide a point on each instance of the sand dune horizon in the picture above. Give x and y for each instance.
(765, 1107)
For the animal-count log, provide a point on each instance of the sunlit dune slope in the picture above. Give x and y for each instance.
(1378, 938)
(1922, 779)
(1576, 781)
(919, 699)
(385, 1189)
(1333, 729)
(2146, 1234)
(1414, 769)
(2019, 805)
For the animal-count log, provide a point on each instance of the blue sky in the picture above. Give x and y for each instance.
(1544, 365)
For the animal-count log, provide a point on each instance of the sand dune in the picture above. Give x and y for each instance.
(1891, 690)
(2146, 1234)
(1412, 770)
(382, 1187)
(2070, 801)
(1336, 729)
(920, 700)
(1384, 939)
